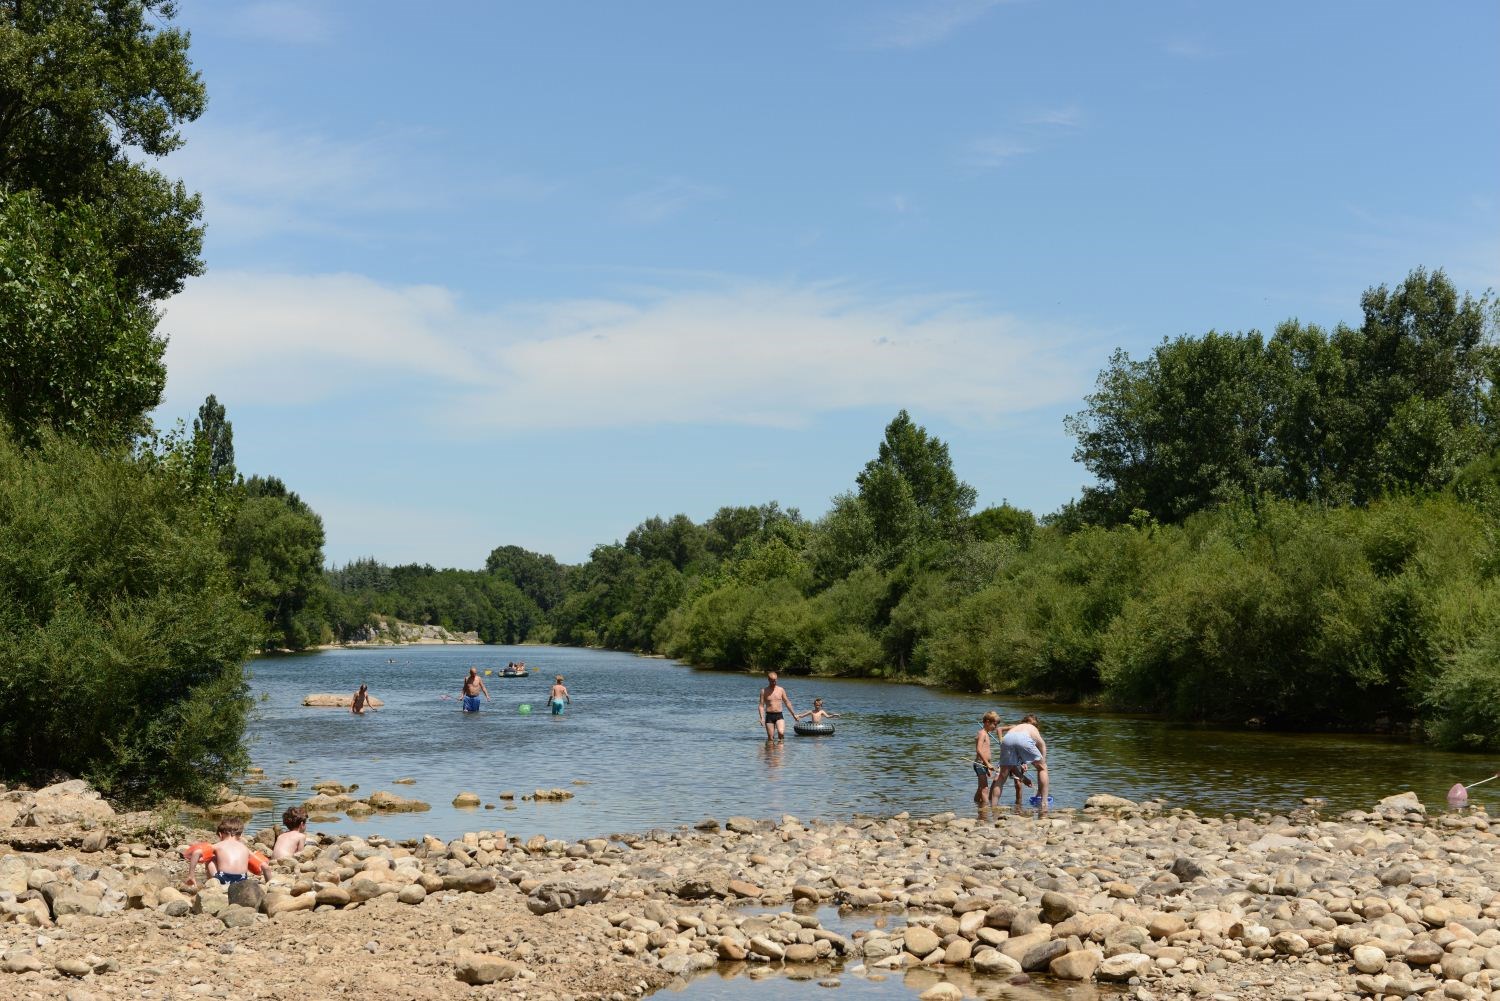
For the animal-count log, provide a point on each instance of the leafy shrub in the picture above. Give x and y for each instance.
(121, 638)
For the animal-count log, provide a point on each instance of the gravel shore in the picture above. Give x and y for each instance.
(1153, 903)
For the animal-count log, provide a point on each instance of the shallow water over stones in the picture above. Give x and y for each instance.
(653, 743)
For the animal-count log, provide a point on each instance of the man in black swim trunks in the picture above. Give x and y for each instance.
(774, 702)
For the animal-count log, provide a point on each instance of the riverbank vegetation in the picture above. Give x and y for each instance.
(1295, 531)
(1298, 529)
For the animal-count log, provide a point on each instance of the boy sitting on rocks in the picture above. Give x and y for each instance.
(292, 840)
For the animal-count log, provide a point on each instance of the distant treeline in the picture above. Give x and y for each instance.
(1297, 531)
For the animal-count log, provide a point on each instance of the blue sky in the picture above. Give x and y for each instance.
(499, 273)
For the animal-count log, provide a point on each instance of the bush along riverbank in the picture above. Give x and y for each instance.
(1392, 902)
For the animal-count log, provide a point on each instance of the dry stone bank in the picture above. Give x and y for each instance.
(1152, 904)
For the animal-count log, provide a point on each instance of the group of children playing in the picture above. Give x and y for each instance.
(230, 860)
(1021, 748)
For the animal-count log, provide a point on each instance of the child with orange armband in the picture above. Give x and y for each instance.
(230, 860)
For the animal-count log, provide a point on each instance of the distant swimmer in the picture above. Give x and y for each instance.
(559, 697)
(473, 685)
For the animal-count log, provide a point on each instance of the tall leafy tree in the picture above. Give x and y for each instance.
(213, 445)
(78, 350)
(91, 91)
(539, 576)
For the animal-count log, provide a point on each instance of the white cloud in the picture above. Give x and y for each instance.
(924, 23)
(1067, 116)
(665, 200)
(1187, 47)
(995, 151)
(259, 181)
(721, 353)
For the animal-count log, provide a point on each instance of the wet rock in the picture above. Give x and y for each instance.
(1041, 955)
(994, 961)
(740, 825)
(325, 700)
(921, 941)
(1398, 806)
(466, 799)
(942, 992)
(1105, 802)
(389, 802)
(1077, 965)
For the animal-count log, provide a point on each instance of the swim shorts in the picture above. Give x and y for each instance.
(557, 707)
(981, 771)
(1018, 749)
(471, 703)
(773, 717)
(228, 878)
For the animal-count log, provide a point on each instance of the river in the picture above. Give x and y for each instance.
(653, 743)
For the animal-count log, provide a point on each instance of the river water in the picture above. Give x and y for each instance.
(652, 743)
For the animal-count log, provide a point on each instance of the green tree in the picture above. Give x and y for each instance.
(122, 639)
(88, 90)
(540, 577)
(78, 350)
(921, 461)
(274, 543)
(213, 446)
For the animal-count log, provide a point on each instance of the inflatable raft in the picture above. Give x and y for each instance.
(824, 729)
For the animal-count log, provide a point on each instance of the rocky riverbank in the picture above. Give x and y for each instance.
(1392, 903)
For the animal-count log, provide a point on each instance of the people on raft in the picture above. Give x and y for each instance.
(473, 686)
(774, 703)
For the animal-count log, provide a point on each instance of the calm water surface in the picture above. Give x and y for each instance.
(659, 744)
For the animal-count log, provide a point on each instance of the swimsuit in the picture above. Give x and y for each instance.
(773, 717)
(981, 770)
(471, 703)
(229, 878)
(557, 707)
(1018, 748)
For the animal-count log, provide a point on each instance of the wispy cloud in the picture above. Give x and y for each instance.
(736, 352)
(1030, 133)
(995, 151)
(260, 181)
(302, 23)
(1187, 47)
(664, 200)
(1065, 116)
(925, 22)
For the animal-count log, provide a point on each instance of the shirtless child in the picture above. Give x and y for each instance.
(984, 765)
(816, 714)
(292, 840)
(774, 701)
(230, 859)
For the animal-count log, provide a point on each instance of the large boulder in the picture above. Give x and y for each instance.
(323, 700)
(70, 802)
(389, 802)
(1397, 806)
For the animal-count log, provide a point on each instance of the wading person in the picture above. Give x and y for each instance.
(1021, 746)
(559, 698)
(473, 685)
(774, 704)
(361, 701)
(984, 766)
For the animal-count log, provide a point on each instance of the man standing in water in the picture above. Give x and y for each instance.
(774, 703)
(473, 685)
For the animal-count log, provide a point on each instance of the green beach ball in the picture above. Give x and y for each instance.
(525, 709)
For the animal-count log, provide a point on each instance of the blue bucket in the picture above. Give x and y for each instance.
(1037, 801)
